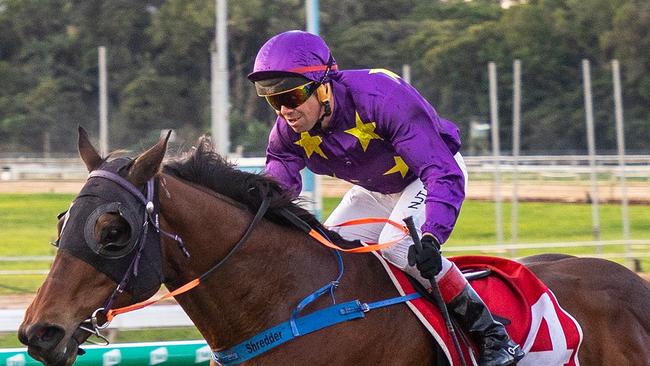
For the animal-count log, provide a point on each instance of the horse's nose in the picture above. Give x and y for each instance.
(22, 336)
(41, 336)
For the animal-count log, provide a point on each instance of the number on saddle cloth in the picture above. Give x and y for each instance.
(547, 333)
(516, 293)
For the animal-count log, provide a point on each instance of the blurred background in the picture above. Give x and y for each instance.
(552, 98)
(158, 66)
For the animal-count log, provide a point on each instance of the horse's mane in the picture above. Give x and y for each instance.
(203, 166)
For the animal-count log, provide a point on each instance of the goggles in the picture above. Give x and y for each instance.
(292, 98)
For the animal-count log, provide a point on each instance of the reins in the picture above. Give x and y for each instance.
(195, 282)
(258, 216)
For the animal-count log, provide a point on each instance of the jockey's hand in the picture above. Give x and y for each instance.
(427, 260)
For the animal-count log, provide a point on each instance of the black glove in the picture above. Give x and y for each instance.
(427, 260)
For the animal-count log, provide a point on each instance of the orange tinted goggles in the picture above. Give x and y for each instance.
(291, 98)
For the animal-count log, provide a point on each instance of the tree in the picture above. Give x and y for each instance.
(159, 64)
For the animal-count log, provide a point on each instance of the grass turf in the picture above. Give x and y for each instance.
(28, 224)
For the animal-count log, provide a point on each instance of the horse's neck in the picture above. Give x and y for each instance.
(258, 286)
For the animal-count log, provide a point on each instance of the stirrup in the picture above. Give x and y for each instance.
(507, 355)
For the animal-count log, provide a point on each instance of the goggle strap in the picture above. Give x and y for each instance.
(287, 91)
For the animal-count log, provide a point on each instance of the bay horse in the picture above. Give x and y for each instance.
(205, 201)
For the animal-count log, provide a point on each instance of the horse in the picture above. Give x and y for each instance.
(201, 213)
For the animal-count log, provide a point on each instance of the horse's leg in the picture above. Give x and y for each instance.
(611, 304)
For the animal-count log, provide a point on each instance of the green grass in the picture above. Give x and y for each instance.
(28, 224)
(539, 222)
(542, 223)
(547, 222)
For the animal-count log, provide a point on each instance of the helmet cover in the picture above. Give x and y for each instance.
(293, 53)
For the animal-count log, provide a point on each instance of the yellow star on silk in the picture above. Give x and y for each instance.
(400, 166)
(311, 144)
(385, 71)
(364, 132)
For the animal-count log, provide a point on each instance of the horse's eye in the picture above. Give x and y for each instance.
(114, 234)
(111, 235)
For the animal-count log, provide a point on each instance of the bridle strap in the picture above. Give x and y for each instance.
(133, 267)
(124, 184)
(150, 216)
(261, 211)
(111, 313)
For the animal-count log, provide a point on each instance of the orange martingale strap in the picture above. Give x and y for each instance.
(365, 249)
(313, 233)
(186, 287)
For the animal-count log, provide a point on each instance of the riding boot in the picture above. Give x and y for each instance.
(496, 347)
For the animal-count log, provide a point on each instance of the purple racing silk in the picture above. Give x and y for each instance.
(382, 136)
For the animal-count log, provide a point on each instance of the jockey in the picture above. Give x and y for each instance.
(372, 129)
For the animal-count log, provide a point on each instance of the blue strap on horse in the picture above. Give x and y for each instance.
(282, 333)
(329, 287)
(299, 326)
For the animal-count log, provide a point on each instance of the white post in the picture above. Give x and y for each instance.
(103, 103)
(591, 144)
(219, 86)
(496, 150)
(406, 73)
(312, 8)
(516, 123)
(620, 143)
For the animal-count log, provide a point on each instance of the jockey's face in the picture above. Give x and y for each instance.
(303, 117)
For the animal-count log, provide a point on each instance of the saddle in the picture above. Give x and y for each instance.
(533, 317)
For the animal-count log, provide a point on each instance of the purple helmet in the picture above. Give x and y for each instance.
(293, 53)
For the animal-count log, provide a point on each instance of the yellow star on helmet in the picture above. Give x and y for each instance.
(311, 144)
(391, 74)
(364, 132)
(400, 166)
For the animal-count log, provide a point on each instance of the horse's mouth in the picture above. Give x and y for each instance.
(66, 356)
(61, 355)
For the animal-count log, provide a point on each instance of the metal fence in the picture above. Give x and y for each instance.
(535, 172)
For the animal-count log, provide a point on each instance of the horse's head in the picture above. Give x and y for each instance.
(106, 238)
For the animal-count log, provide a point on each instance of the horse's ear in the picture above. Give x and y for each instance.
(148, 163)
(88, 154)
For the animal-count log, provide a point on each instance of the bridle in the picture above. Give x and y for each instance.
(151, 216)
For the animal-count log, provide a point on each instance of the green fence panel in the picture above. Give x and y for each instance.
(183, 353)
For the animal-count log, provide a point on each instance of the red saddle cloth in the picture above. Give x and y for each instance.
(547, 333)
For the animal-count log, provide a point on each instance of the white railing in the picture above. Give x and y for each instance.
(166, 316)
(632, 249)
(155, 316)
(637, 165)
